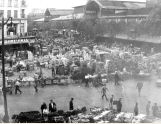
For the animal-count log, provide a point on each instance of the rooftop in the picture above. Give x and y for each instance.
(119, 4)
(53, 11)
(79, 6)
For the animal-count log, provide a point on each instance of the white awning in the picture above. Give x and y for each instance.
(39, 20)
(69, 17)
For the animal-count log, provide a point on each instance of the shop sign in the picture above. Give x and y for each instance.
(17, 41)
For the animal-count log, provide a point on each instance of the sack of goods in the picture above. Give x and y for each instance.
(95, 110)
(29, 117)
(105, 115)
(139, 119)
(124, 117)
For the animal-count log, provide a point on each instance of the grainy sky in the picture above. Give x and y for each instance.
(59, 4)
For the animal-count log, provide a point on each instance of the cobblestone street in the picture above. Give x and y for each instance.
(83, 96)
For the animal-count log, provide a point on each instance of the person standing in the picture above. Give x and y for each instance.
(155, 109)
(71, 106)
(139, 86)
(119, 105)
(52, 106)
(116, 78)
(43, 107)
(17, 87)
(111, 101)
(11, 62)
(136, 109)
(148, 108)
(35, 86)
(53, 71)
(104, 89)
(99, 78)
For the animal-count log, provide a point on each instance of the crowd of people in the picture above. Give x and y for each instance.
(87, 62)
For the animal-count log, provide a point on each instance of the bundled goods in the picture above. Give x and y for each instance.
(139, 119)
(76, 112)
(59, 119)
(29, 117)
(56, 119)
(95, 110)
(85, 116)
(106, 115)
(51, 116)
(124, 117)
(82, 118)
(60, 112)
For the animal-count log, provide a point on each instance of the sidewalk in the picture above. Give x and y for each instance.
(1, 113)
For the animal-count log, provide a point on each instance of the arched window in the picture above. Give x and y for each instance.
(92, 9)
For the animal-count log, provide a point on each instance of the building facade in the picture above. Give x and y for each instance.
(17, 10)
(153, 3)
(79, 9)
(39, 14)
(107, 8)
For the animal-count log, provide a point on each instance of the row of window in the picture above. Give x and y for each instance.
(13, 3)
(15, 13)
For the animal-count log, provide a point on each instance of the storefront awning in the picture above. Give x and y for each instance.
(17, 41)
(69, 17)
(39, 20)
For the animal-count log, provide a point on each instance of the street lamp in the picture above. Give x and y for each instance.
(6, 116)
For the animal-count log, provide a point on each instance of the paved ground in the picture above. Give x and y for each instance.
(83, 96)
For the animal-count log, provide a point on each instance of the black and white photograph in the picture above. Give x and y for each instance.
(80, 61)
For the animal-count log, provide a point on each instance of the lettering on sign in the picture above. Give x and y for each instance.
(17, 41)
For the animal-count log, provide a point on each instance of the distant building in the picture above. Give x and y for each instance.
(79, 9)
(17, 10)
(54, 13)
(106, 8)
(153, 3)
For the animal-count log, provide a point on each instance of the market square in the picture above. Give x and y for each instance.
(89, 61)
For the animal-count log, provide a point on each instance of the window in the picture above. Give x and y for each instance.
(9, 3)
(22, 28)
(8, 13)
(15, 3)
(2, 3)
(23, 3)
(15, 14)
(22, 13)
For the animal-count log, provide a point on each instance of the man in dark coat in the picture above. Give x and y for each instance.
(155, 110)
(71, 106)
(136, 109)
(111, 101)
(43, 107)
(52, 106)
(116, 78)
(119, 106)
(36, 86)
(53, 71)
(139, 86)
(104, 89)
(17, 87)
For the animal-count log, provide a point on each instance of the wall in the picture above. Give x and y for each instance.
(79, 9)
(17, 20)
